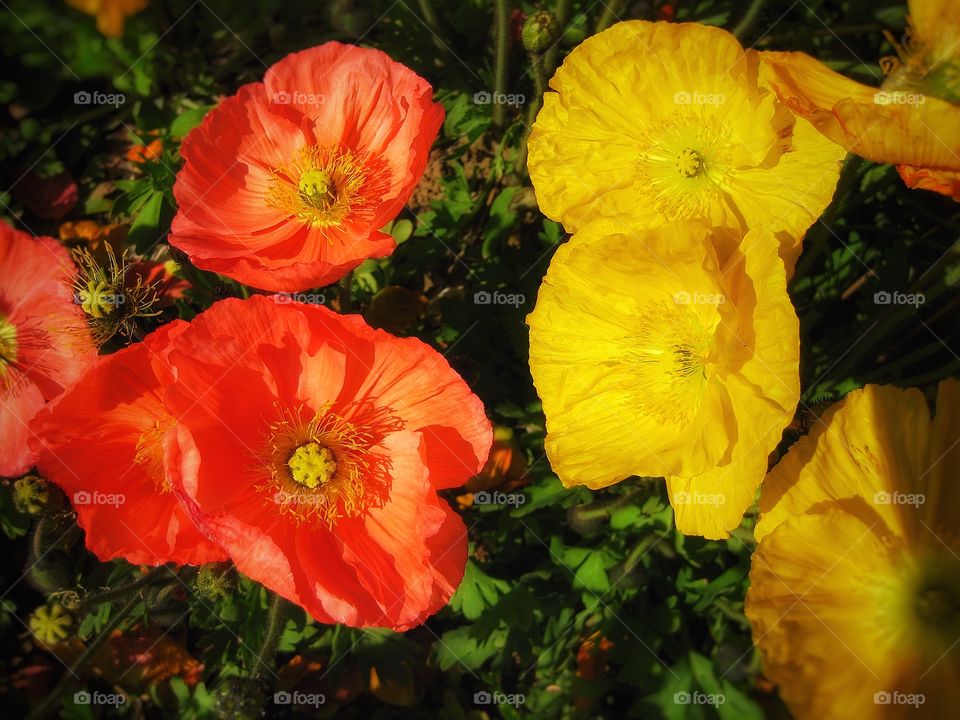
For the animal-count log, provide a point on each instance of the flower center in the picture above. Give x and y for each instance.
(8, 344)
(684, 163)
(669, 356)
(320, 186)
(312, 464)
(97, 300)
(689, 163)
(324, 467)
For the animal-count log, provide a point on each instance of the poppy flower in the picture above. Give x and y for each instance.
(287, 183)
(854, 591)
(667, 352)
(658, 122)
(912, 120)
(103, 442)
(44, 341)
(311, 447)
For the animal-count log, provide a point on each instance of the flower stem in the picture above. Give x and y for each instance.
(611, 12)
(500, 68)
(99, 598)
(344, 297)
(539, 87)
(749, 18)
(562, 14)
(276, 620)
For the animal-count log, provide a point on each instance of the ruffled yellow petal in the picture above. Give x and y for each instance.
(826, 605)
(659, 122)
(871, 445)
(945, 182)
(936, 24)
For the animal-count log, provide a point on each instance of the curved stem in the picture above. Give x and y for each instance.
(749, 18)
(276, 620)
(102, 597)
(562, 14)
(344, 298)
(500, 68)
(611, 12)
(539, 87)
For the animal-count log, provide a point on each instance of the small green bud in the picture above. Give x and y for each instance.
(539, 32)
(33, 495)
(53, 571)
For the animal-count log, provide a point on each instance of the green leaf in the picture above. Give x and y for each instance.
(188, 120)
(477, 592)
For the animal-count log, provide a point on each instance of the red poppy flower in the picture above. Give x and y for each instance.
(287, 183)
(103, 442)
(44, 341)
(311, 448)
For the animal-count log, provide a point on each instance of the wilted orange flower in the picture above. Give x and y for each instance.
(312, 447)
(44, 342)
(911, 121)
(103, 442)
(287, 183)
(111, 14)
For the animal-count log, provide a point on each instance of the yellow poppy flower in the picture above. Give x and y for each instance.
(661, 122)
(855, 584)
(669, 351)
(110, 14)
(912, 120)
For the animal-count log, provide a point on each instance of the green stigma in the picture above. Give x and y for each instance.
(312, 464)
(690, 163)
(315, 188)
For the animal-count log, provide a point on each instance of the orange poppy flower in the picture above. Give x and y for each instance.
(287, 183)
(44, 342)
(111, 15)
(911, 121)
(103, 442)
(311, 447)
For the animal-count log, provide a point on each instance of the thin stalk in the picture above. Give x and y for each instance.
(276, 620)
(748, 20)
(107, 595)
(539, 87)
(344, 297)
(611, 13)
(562, 14)
(500, 67)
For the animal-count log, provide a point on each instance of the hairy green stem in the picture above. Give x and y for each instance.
(562, 13)
(611, 13)
(500, 66)
(276, 620)
(748, 20)
(344, 296)
(95, 599)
